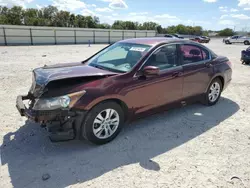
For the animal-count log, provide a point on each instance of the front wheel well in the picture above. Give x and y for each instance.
(119, 102)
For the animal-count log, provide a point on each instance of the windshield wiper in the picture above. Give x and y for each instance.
(107, 68)
(99, 67)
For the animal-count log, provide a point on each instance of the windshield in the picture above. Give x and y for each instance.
(119, 57)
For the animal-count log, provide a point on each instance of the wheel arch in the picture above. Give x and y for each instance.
(117, 100)
(246, 41)
(219, 76)
(121, 103)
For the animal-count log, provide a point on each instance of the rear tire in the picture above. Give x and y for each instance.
(213, 93)
(246, 42)
(98, 124)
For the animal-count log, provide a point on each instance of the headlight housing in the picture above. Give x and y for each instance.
(62, 102)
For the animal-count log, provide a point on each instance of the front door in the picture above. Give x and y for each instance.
(197, 69)
(147, 93)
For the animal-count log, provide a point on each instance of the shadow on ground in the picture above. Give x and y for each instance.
(29, 154)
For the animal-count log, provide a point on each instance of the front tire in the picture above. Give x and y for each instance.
(213, 93)
(103, 123)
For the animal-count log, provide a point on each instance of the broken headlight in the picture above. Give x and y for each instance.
(33, 84)
(62, 102)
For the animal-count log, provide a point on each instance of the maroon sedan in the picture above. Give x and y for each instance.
(129, 79)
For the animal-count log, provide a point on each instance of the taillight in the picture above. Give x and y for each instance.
(229, 63)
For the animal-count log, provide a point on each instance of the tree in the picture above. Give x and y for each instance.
(181, 29)
(51, 16)
(62, 19)
(170, 30)
(96, 20)
(117, 24)
(90, 22)
(80, 21)
(3, 15)
(149, 26)
(226, 32)
(31, 17)
(72, 20)
(104, 26)
(48, 15)
(205, 33)
(15, 15)
(159, 29)
(197, 30)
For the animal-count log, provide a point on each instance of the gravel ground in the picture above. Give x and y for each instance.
(195, 146)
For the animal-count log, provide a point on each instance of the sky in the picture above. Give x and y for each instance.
(210, 14)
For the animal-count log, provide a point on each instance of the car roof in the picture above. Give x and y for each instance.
(153, 41)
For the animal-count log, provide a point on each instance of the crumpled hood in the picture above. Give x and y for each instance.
(46, 74)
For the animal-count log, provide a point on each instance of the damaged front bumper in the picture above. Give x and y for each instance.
(63, 124)
(41, 116)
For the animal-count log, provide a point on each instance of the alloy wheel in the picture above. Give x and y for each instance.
(214, 92)
(106, 123)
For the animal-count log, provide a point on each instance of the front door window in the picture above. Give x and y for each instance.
(164, 58)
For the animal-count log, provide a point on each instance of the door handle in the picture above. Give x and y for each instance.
(209, 65)
(177, 74)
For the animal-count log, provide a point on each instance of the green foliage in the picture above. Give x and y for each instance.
(51, 16)
(149, 26)
(226, 32)
(13, 16)
(182, 29)
(124, 25)
(47, 16)
(205, 33)
(103, 26)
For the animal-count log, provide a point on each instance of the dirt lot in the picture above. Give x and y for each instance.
(195, 146)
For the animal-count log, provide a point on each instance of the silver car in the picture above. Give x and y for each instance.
(237, 39)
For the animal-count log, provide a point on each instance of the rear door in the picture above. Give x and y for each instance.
(197, 69)
(242, 39)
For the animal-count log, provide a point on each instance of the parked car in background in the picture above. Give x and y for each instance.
(200, 39)
(237, 39)
(170, 36)
(206, 39)
(178, 36)
(129, 79)
(173, 36)
(245, 56)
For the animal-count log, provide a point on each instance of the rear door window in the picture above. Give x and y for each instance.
(193, 54)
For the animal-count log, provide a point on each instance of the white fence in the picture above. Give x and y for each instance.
(29, 35)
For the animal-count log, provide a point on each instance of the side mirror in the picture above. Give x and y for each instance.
(151, 71)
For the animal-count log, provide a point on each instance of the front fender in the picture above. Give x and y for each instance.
(87, 103)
